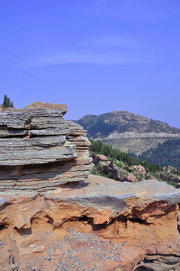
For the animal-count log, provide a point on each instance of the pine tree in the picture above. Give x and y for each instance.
(7, 102)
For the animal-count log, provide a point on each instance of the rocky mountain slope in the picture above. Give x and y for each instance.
(112, 163)
(128, 132)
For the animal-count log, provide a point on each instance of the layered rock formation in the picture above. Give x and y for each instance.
(98, 225)
(53, 218)
(39, 150)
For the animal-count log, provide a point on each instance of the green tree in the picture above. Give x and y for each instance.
(7, 102)
(98, 147)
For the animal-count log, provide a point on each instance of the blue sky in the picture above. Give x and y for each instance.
(95, 56)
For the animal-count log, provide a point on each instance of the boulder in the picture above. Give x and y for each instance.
(170, 169)
(102, 157)
(132, 178)
(39, 150)
(140, 169)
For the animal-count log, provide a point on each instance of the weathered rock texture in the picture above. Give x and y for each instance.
(98, 225)
(39, 150)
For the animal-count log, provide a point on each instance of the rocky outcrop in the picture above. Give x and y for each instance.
(97, 225)
(117, 170)
(53, 218)
(39, 150)
(124, 171)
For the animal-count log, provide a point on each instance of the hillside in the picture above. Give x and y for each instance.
(111, 163)
(128, 132)
(165, 154)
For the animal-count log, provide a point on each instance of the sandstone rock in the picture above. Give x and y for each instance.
(140, 169)
(40, 105)
(39, 150)
(102, 157)
(53, 218)
(159, 263)
(132, 178)
(97, 225)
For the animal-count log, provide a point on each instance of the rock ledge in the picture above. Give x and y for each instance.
(97, 225)
(40, 150)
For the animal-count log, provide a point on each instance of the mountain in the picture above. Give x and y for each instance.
(165, 154)
(128, 132)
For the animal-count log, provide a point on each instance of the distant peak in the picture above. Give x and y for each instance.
(120, 111)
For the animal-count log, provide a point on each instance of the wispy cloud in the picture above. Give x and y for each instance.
(99, 50)
(80, 58)
(114, 41)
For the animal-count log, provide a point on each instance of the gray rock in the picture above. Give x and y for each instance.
(103, 193)
(39, 150)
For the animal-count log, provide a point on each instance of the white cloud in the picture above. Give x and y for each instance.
(80, 58)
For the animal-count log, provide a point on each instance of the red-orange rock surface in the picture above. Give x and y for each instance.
(98, 225)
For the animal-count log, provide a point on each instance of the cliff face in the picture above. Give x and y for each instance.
(128, 132)
(97, 225)
(40, 150)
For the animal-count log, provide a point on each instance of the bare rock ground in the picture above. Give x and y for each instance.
(98, 225)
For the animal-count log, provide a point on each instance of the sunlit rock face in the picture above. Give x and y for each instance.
(98, 224)
(39, 150)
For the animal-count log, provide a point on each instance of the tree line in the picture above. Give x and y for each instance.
(98, 147)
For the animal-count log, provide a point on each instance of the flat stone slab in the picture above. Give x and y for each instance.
(103, 193)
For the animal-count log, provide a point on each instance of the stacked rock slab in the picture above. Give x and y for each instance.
(39, 150)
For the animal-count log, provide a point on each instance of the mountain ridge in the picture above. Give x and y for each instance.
(127, 131)
(126, 111)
